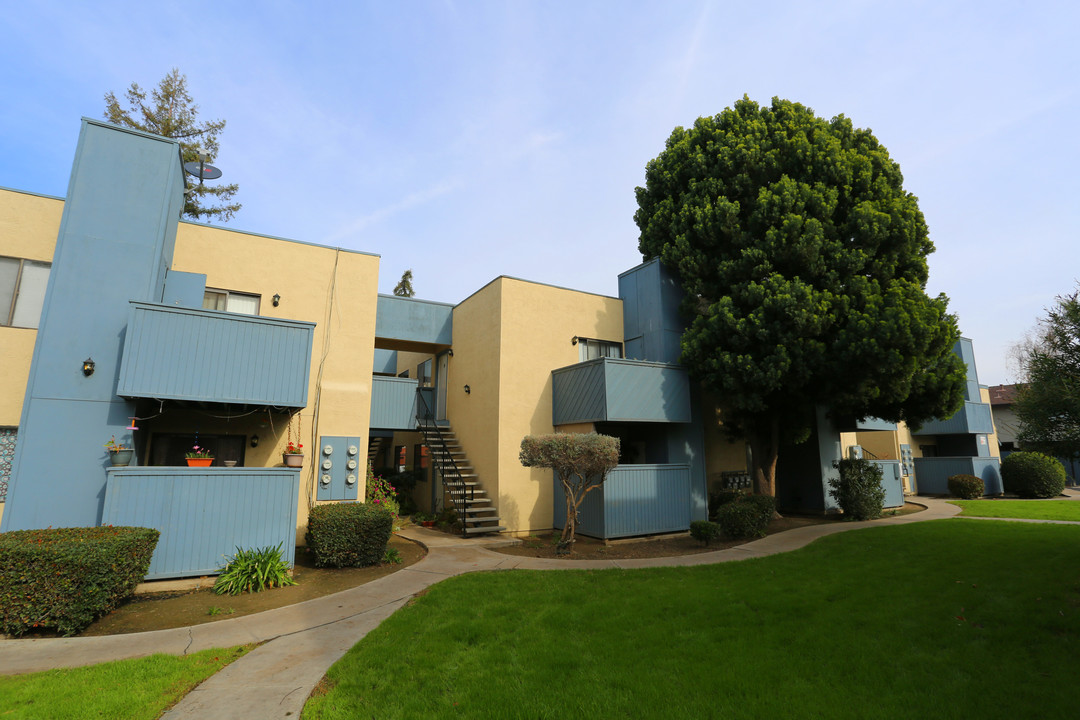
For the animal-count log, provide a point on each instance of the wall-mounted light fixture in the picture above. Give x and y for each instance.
(573, 340)
(277, 299)
(88, 367)
(450, 352)
(467, 390)
(254, 441)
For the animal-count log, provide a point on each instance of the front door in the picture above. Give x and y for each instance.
(442, 365)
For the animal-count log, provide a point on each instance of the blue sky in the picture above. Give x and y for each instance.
(467, 140)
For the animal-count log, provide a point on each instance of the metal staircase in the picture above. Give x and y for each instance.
(460, 482)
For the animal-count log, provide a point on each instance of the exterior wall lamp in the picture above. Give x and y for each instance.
(467, 390)
(254, 441)
(88, 367)
(277, 299)
(573, 340)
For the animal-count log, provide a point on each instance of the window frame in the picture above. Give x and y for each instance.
(584, 343)
(6, 319)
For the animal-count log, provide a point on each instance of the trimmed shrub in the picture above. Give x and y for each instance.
(746, 517)
(65, 578)
(1032, 475)
(348, 534)
(252, 571)
(858, 491)
(966, 487)
(722, 497)
(704, 531)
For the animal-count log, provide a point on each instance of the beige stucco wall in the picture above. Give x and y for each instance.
(29, 225)
(337, 290)
(508, 337)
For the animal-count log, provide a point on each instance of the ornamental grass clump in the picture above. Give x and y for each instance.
(966, 487)
(254, 570)
(1032, 475)
(858, 491)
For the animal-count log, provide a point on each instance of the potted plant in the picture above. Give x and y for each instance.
(199, 457)
(119, 453)
(421, 518)
(293, 456)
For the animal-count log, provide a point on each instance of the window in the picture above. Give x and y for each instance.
(7, 458)
(22, 291)
(592, 349)
(423, 373)
(229, 301)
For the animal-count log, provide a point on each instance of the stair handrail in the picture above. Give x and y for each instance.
(425, 420)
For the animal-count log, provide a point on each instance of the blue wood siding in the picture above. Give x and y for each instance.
(609, 389)
(393, 403)
(204, 514)
(932, 474)
(972, 419)
(652, 325)
(194, 354)
(890, 480)
(634, 500)
(414, 321)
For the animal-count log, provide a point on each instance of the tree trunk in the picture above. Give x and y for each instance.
(566, 541)
(765, 451)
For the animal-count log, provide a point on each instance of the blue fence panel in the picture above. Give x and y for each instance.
(611, 389)
(890, 480)
(932, 474)
(393, 403)
(634, 500)
(204, 514)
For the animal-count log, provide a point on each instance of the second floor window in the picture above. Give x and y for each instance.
(231, 302)
(592, 349)
(22, 291)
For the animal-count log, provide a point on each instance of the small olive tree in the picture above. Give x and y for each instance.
(580, 461)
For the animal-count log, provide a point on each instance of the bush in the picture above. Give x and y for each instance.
(348, 534)
(966, 487)
(64, 578)
(381, 493)
(252, 571)
(722, 497)
(858, 491)
(746, 517)
(704, 531)
(1032, 475)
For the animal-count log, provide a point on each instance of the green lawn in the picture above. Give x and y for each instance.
(142, 688)
(1027, 509)
(944, 619)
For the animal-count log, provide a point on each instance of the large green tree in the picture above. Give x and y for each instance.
(1048, 405)
(804, 266)
(171, 113)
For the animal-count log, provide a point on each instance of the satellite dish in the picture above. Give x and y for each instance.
(202, 171)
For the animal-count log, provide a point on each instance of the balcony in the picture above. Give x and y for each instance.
(177, 353)
(972, 419)
(634, 500)
(204, 514)
(393, 403)
(932, 474)
(614, 390)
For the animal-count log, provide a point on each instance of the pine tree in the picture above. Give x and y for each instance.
(172, 114)
(404, 287)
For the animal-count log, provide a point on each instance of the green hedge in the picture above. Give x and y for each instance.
(719, 498)
(1032, 475)
(966, 487)
(704, 531)
(65, 578)
(348, 534)
(858, 491)
(746, 517)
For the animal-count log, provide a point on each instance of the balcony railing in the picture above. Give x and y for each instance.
(612, 390)
(393, 403)
(973, 418)
(204, 355)
(204, 514)
(932, 474)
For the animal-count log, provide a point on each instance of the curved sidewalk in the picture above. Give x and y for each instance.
(303, 640)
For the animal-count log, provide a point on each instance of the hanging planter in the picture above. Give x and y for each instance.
(199, 461)
(293, 460)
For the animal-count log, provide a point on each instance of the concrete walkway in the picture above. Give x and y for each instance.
(302, 641)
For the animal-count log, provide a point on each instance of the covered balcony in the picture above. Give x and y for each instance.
(178, 353)
(616, 390)
(973, 418)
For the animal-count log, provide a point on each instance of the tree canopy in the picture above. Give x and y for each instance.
(171, 113)
(1048, 405)
(804, 264)
(404, 287)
